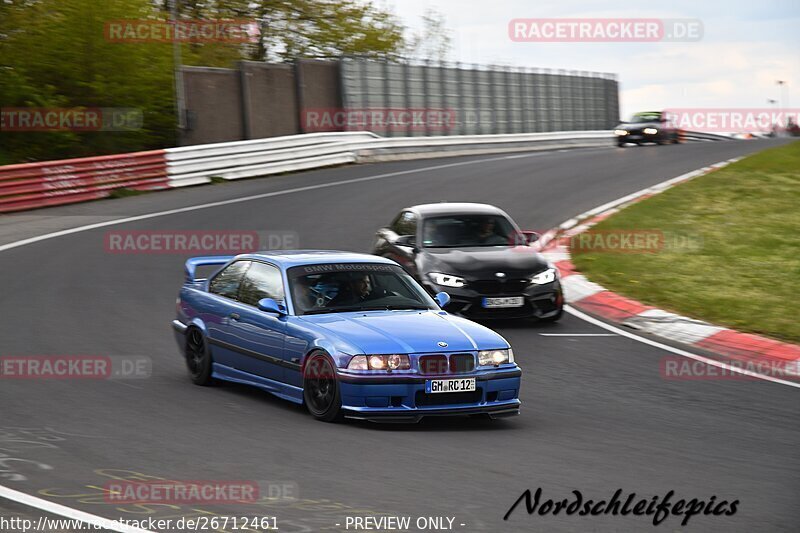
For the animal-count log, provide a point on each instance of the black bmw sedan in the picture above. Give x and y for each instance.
(476, 254)
(647, 127)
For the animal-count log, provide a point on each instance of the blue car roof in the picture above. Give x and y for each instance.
(292, 258)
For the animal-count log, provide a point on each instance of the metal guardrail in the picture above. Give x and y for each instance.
(49, 183)
(700, 136)
(243, 159)
(195, 165)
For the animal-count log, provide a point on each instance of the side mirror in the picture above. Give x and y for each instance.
(269, 305)
(531, 236)
(442, 298)
(406, 240)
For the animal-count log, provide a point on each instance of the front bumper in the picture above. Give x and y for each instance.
(403, 398)
(541, 301)
(638, 136)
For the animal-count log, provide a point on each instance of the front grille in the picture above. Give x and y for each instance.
(461, 363)
(433, 364)
(457, 363)
(447, 398)
(491, 286)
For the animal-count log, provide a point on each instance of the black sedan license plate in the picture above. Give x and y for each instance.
(450, 385)
(507, 301)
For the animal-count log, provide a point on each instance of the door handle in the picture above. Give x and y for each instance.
(235, 316)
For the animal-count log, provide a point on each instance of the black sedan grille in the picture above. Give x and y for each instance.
(511, 286)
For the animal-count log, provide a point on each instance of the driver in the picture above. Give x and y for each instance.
(355, 291)
(486, 233)
(362, 287)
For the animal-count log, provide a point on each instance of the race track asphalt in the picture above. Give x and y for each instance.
(597, 415)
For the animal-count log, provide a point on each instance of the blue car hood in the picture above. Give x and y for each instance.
(385, 332)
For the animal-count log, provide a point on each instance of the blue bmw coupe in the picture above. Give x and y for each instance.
(348, 335)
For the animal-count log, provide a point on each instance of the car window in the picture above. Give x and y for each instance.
(331, 288)
(456, 231)
(261, 281)
(227, 282)
(405, 224)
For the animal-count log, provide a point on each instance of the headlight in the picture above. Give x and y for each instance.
(380, 362)
(446, 280)
(620, 132)
(545, 277)
(650, 131)
(495, 357)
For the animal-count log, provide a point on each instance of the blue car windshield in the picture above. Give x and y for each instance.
(342, 287)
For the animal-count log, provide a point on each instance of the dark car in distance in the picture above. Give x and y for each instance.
(651, 126)
(478, 255)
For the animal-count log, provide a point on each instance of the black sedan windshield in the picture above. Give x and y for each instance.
(341, 287)
(642, 119)
(462, 231)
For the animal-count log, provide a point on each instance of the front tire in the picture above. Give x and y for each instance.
(321, 392)
(198, 357)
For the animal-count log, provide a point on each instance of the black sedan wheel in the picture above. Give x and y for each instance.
(198, 357)
(321, 390)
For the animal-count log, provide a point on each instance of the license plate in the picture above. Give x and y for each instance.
(508, 301)
(433, 386)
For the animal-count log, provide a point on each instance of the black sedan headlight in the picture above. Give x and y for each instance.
(447, 280)
(545, 277)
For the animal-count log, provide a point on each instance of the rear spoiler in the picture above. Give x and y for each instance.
(194, 262)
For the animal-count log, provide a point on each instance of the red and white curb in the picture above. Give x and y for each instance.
(581, 293)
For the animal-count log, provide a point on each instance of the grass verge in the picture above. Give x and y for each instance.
(731, 253)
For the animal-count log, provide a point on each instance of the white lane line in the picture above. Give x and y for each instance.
(68, 512)
(578, 334)
(125, 220)
(583, 316)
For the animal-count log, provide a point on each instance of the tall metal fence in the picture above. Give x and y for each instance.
(480, 99)
(260, 100)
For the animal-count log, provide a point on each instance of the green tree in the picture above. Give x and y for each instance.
(434, 41)
(54, 53)
(302, 28)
